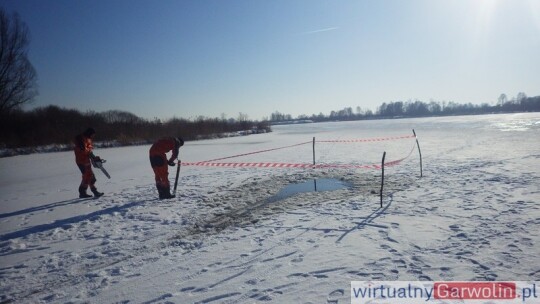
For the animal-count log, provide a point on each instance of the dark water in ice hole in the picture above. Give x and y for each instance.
(316, 185)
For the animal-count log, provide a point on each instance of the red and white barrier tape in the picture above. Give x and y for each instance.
(290, 165)
(320, 141)
(212, 163)
(395, 162)
(366, 139)
(279, 165)
(244, 154)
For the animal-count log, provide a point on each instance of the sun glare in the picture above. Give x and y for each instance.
(534, 7)
(484, 14)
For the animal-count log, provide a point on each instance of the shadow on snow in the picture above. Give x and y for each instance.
(39, 208)
(65, 223)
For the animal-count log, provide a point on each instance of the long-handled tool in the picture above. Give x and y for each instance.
(177, 174)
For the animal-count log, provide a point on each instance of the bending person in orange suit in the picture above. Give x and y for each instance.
(159, 162)
(83, 153)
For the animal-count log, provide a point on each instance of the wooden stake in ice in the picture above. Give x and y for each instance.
(313, 150)
(382, 179)
(419, 152)
(315, 180)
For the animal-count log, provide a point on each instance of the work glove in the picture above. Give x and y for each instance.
(171, 163)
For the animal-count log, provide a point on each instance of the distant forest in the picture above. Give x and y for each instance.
(401, 109)
(54, 125)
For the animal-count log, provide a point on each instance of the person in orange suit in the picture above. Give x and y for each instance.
(159, 162)
(83, 153)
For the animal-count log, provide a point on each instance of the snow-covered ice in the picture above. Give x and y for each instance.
(474, 215)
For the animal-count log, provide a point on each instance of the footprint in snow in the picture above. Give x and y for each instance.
(335, 295)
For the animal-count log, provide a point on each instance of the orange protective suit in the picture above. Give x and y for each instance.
(159, 162)
(83, 151)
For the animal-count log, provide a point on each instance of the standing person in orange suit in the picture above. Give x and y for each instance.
(159, 162)
(83, 153)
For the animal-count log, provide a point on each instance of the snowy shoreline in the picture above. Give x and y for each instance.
(5, 152)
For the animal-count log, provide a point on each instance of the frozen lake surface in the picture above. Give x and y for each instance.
(472, 216)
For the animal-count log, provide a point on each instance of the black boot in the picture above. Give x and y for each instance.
(82, 193)
(165, 193)
(96, 193)
(160, 192)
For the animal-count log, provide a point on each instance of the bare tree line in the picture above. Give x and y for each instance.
(55, 125)
(417, 108)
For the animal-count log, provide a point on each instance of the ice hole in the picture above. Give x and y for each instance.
(316, 185)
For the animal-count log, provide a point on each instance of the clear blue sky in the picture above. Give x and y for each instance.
(190, 58)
